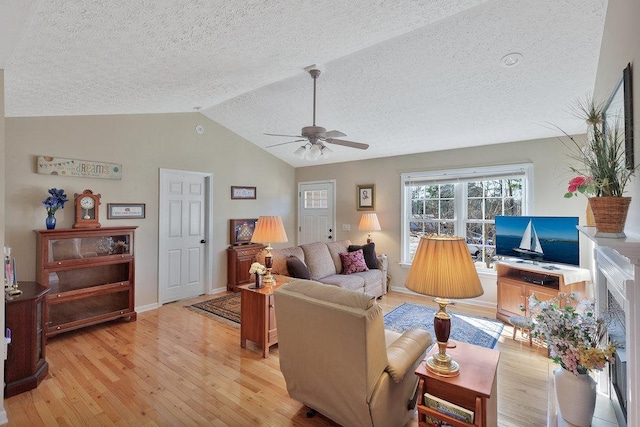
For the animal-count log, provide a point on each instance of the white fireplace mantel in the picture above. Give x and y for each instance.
(616, 269)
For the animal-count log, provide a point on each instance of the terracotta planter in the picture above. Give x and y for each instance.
(610, 214)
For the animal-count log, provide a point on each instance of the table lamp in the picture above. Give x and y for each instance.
(442, 267)
(269, 229)
(369, 222)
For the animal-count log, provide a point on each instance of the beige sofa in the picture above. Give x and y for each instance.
(337, 358)
(323, 261)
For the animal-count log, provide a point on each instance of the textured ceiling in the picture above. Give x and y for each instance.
(404, 76)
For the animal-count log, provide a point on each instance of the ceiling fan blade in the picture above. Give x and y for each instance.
(288, 136)
(283, 143)
(334, 134)
(351, 144)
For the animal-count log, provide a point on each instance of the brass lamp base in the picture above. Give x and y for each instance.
(443, 368)
(441, 363)
(268, 278)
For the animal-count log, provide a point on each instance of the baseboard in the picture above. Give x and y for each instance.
(3, 417)
(147, 307)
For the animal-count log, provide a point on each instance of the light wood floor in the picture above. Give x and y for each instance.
(176, 367)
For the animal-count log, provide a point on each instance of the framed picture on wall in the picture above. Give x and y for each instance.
(125, 210)
(241, 230)
(238, 192)
(618, 113)
(366, 197)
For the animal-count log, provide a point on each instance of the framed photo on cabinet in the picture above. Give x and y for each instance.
(241, 230)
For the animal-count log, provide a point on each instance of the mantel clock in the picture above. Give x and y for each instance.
(87, 209)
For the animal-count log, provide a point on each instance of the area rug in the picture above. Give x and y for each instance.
(225, 306)
(474, 330)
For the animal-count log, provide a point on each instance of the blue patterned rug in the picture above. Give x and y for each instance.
(473, 330)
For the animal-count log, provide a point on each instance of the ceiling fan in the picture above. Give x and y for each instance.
(317, 136)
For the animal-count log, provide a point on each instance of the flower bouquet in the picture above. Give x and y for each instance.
(573, 334)
(55, 201)
(257, 268)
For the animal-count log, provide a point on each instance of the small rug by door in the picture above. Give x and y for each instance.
(225, 306)
(473, 330)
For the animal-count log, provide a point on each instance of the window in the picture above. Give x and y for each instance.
(316, 199)
(464, 203)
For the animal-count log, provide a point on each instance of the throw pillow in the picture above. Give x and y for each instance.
(369, 252)
(297, 269)
(353, 262)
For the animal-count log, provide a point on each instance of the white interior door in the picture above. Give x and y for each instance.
(184, 221)
(316, 212)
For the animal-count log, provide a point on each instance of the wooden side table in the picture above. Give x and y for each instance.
(474, 389)
(258, 316)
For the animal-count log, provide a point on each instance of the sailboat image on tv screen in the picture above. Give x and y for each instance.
(530, 244)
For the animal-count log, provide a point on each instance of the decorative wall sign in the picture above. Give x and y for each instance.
(243, 192)
(125, 210)
(241, 230)
(78, 168)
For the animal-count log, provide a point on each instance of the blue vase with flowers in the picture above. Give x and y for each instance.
(55, 201)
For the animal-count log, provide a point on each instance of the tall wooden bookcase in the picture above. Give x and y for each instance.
(90, 274)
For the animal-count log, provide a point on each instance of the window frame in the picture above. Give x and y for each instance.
(460, 200)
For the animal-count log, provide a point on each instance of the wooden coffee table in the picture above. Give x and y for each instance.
(258, 316)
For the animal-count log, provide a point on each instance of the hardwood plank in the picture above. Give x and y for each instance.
(174, 366)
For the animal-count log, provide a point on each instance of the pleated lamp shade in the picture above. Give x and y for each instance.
(269, 229)
(369, 222)
(442, 267)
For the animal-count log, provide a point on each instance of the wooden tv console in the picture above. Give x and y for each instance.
(518, 280)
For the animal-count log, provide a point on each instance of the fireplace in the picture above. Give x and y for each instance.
(616, 273)
(617, 374)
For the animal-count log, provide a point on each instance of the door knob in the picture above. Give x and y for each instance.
(330, 237)
(203, 241)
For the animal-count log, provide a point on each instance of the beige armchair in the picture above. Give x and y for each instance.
(337, 358)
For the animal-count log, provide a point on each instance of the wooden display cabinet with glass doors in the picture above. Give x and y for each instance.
(90, 275)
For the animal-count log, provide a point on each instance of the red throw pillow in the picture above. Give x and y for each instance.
(353, 262)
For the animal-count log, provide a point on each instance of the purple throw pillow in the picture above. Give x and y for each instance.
(353, 262)
(369, 252)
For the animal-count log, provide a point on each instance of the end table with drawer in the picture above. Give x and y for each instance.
(258, 316)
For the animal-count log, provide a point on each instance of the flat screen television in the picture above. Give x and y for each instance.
(545, 239)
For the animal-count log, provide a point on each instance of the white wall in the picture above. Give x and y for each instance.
(142, 144)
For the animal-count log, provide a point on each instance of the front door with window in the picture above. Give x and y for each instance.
(316, 212)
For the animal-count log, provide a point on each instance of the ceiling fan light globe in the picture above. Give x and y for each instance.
(300, 152)
(314, 152)
(325, 152)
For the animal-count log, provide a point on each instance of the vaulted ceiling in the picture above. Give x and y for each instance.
(403, 76)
